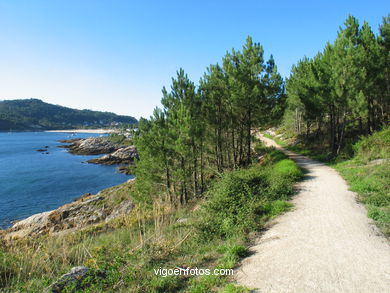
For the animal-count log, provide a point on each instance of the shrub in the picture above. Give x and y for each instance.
(241, 199)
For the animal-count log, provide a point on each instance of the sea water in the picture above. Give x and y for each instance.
(32, 182)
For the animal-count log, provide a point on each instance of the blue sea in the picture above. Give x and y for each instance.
(32, 182)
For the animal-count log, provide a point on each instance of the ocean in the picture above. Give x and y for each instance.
(33, 182)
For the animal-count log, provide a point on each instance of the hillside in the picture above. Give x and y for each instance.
(34, 114)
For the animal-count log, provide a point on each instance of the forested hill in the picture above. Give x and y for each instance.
(34, 114)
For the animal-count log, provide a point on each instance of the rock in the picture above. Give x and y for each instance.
(86, 210)
(377, 162)
(90, 146)
(41, 150)
(72, 140)
(75, 277)
(124, 169)
(26, 227)
(124, 208)
(182, 220)
(124, 155)
(271, 131)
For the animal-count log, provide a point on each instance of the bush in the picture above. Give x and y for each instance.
(241, 200)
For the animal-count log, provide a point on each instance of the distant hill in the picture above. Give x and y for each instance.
(34, 114)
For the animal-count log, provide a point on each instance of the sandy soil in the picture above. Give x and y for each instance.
(101, 131)
(325, 244)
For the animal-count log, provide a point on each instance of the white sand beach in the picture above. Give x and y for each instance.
(99, 131)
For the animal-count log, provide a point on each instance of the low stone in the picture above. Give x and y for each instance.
(124, 208)
(377, 162)
(90, 146)
(41, 150)
(86, 210)
(74, 277)
(124, 155)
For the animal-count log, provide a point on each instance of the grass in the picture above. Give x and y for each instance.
(372, 185)
(212, 232)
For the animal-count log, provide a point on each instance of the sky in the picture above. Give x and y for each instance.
(112, 55)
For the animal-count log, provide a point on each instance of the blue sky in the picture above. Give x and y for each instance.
(116, 55)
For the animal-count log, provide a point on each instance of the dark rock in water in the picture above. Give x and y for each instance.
(124, 169)
(90, 146)
(75, 277)
(124, 155)
(41, 150)
(46, 147)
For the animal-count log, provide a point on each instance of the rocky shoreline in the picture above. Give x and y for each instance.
(114, 153)
(87, 210)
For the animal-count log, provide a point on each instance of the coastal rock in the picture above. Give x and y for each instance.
(88, 209)
(124, 155)
(90, 146)
(41, 150)
(124, 208)
(31, 225)
(72, 140)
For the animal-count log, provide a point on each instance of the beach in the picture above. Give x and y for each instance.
(97, 131)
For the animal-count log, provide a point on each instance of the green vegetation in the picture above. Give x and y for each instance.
(343, 92)
(336, 104)
(211, 233)
(199, 194)
(33, 114)
(368, 174)
(201, 132)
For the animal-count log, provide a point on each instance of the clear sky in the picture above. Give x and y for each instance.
(116, 55)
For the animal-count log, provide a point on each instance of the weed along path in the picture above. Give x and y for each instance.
(325, 244)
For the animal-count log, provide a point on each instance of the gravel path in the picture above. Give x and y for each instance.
(325, 244)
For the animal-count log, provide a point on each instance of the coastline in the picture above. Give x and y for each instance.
(73, 215)
(97, 131)
(10, 221)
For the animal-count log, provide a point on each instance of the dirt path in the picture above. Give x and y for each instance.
(325, 244)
